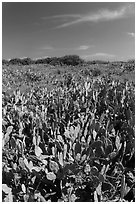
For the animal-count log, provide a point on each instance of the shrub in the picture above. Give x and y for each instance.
(96, 72)
(41, 61)
(15, 61)
(5, 62)
(26, 61)
(97, 62)
(54, 61)
(71, 60)
(73, 143)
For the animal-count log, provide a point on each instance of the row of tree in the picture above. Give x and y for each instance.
(65, 60)
(72, 60)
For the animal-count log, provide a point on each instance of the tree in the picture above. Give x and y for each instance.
(72, 60)
(26, 61)
(5, 62)
(15, 61)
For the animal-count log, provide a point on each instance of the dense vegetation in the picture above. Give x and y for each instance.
(68, 135)
(66, 60)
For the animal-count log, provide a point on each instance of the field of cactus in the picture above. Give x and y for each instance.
(67, 137)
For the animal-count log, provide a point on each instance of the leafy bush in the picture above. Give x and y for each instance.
(71, 60)
(54, 61)
(66, 60)
(96, 72)
(15, 61)
(26, 61)
(30, 76)
(18, 61)
(86, 72)
(97, 62)
(74, 143)
(43, 61)
(5, 62)
(132, 61)
(129, 66)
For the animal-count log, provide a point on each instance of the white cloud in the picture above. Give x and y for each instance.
(83, 47)
(47, 48)
(62, 16)
(99, 55)
(101, 15)
(131, 34)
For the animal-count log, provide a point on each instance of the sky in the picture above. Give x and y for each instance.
(92, 30)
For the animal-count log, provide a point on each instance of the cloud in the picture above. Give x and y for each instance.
(102, 54)
(131, 34)
(101, 15)
(83, 47)
(99, 55)
(47, 48)
(62, 16)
